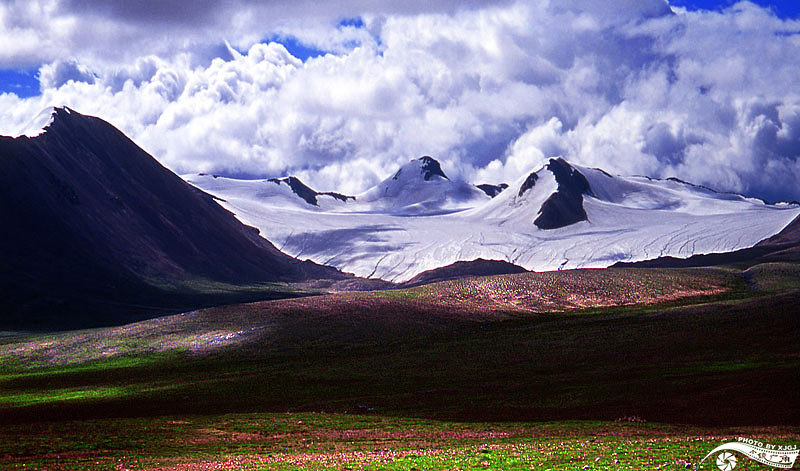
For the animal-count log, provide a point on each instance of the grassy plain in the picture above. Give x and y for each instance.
(289, 441)
(528, 371)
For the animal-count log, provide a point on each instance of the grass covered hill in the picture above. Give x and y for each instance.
(688, 346)
(587, 369)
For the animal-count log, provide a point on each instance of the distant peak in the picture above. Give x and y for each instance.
(559, 162)
(426, 166)
(306, 193)
(565, 206)
(430, 167)
(569, 176)
(492, 190)
(299, 188)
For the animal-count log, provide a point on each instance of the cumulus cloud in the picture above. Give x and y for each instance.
(492, 90)
(61, 72)
(37, 31)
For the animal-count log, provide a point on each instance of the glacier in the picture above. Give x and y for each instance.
(561, 216)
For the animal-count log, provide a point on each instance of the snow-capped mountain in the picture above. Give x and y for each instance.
(287, 191)
(559, 216)
(421, 187)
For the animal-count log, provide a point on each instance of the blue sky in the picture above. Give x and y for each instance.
(22, 82)
(297, 48)
(304, 51)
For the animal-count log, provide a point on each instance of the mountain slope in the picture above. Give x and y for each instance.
(290, 192)
(560, 216)
(94, 218)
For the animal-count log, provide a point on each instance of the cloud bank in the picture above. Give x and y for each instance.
(492, 90)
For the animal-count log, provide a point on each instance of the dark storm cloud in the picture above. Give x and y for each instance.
(193, 12)
(147, 11)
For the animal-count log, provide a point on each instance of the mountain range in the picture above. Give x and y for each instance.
(100, 233)
(559, 216)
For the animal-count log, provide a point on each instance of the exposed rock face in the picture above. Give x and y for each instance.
(788, 237)
(565, 206)
(299, 188)
(529, 183)
(492, 190)
(306, 193)
(430, 167)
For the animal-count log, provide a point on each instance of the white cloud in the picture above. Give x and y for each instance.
(37, 31)
(61, 72)
(491, 90)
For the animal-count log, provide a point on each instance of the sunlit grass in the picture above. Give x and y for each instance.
(56, 396)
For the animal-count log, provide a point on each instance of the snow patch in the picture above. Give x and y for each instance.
(39, 124)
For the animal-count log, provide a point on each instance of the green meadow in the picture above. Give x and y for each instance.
(585, 369)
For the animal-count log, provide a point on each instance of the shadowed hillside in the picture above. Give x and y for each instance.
(98, 232)
(583, 344)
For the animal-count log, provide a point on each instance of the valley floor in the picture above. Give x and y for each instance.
(528, 371)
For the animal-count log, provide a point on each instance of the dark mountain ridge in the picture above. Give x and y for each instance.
(492, 190)
(308, 194)
(94, 220)
(477, 267)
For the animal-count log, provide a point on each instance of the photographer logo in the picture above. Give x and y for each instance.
(777, 456)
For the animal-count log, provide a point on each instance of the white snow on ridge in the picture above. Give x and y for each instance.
(419, 224)
(39, 124)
